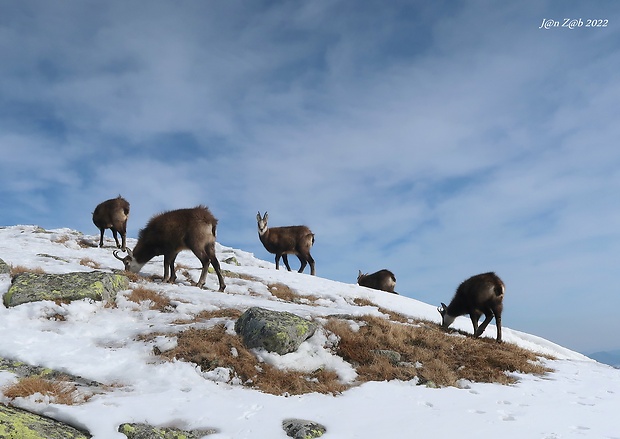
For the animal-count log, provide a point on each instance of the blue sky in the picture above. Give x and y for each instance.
(436, 139)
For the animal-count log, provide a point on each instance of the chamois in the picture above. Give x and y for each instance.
(383, 280)
(282, 241)
(480, 294)
(170, 232)
(112, 214)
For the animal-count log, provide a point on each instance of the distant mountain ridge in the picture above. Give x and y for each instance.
(607, 357)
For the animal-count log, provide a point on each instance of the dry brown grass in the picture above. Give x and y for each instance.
(19, 269)
(285, 293)
(59, 391)
(397, 317)
(88, 262)
(228, 313)
(157, 301)
(429, 353)
(61, 239)
(212, 348)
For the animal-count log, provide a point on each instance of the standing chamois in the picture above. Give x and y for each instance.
(282, 241)
(112, 214)
(480, 294)
(383, 280)
(170, 232)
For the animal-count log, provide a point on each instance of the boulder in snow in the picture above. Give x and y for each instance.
(33, 287)
(302, 429)
(145, 431)
(280, 332)
(19, 424)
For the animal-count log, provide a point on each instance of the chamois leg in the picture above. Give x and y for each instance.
(207, 256)
(303, 263)
(498, 323)
(285, 259)
(475, 316)
(311, 261)
(487, 320)
(123, 233)
(169, 271)
(115, 234)
(101, 238)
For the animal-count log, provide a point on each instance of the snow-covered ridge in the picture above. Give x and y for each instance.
(99, 343)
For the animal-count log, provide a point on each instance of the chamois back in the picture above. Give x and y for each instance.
(283, 241)
(112, 214)
(383, 280)
(170, 232)
(480, 294)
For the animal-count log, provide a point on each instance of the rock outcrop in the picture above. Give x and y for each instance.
(280, 332)
(95, 285)
(302, 429)
(145, 431)
(19, 424)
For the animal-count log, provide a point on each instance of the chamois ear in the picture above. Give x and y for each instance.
(258, 217)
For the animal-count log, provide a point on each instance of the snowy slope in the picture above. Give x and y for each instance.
(580, 399)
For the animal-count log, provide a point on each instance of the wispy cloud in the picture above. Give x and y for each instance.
(435, 140)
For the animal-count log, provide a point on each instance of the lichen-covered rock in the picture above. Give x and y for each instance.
(20, 424)
(4, 267)
(145, 431)
(280, 332)
(33, 287)
(302, 429)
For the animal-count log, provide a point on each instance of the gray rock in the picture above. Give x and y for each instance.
(302, 429)
(22, 369)
(19, 424)
(4, 267)
(280, 332)
(33, 287)
(392, 356)
(145, 431)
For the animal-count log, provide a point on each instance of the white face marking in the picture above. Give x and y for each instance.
(447, 320)
(132, 266)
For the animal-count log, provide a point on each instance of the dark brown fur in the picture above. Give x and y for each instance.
(112, 214)
(169, 233)
(282, 241)
(480, 294)
(383, 280)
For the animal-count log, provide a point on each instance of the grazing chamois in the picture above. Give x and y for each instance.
(170, 232)
(383, 280)
(282, 241)
(480, 294)
(112, 214)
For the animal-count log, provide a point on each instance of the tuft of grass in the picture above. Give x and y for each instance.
(62, 239)
(157, 301)
(88, 262)
(395, 316)
(19, 269)
(215, 347)
(429, 353)
(227, 313)
(285, 293)
(59, 391)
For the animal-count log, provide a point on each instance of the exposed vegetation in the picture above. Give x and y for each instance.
(19, 269)
(88, 262)
(427, 352)
(380, 349)
(215, 347)
(285, 293)
(155, 299)
(58, 391)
